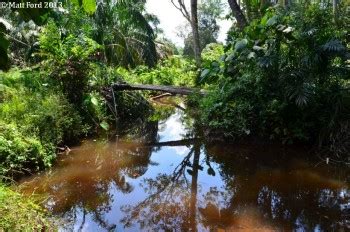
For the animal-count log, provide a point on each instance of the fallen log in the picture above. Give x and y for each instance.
(160, 88)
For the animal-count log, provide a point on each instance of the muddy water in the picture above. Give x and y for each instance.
(160, 179)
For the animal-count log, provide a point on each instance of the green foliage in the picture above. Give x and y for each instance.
(21, 153)
(212, 63)
(175, 70)
(37, 15)
(282, 78)
(67, 60)
(110, 109)
(89, 6)
(20, 213)
(212, 52)
(71, 47)
(95, 106)
(34, 119)
(125, 30)
(51, 116)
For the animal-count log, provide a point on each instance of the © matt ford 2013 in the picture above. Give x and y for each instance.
(30, 5)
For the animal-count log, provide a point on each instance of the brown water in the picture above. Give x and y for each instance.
(143, 182)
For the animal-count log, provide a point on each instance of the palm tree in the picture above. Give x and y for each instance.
(126, 33)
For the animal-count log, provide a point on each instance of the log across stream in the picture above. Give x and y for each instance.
(161, 88)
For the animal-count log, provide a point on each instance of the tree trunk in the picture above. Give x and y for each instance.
(238, 14)
(335, 3)
(286, 3)
(194, 25)
(194, 188)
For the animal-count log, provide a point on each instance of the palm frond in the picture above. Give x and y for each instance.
(334, 46)
(299, 89)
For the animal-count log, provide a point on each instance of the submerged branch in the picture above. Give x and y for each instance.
(174, 143)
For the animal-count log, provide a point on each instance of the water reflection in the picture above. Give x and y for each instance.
(288, 193)
(141, 183)
(171, 203)
(81, 184)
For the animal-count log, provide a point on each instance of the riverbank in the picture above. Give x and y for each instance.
(22, 213)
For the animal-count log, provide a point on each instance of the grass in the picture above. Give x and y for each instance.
(20, 213)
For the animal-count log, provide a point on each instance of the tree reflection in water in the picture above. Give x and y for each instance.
(260, 193)
(81, 182)
(209, 188)
(172, 199)
(282, 191)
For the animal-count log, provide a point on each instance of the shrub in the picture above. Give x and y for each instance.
(67, 61)
(34, 120)
(175, 70)
(20, 152)
(41, 110)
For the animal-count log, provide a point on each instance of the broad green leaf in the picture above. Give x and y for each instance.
(89, 6)
(280, 27)
(2, 87)
(205, 72)
(204, 75)
(215, 64)
(94, 101)
(240, 45)
(104, 125)
(272, 20)
(230, 57)
(222, 58)
(264, 20)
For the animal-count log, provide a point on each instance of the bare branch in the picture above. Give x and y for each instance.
(182, 8)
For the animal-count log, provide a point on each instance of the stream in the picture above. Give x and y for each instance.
(159, 178)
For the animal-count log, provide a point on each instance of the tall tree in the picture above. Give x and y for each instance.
(209, 11)
(196, 42)
(238, 14)
(192, 18)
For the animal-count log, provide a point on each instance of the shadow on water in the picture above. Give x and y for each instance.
(162, 179)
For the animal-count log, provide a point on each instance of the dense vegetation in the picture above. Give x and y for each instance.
(277, 78)
(283, 79)
(34, 120)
